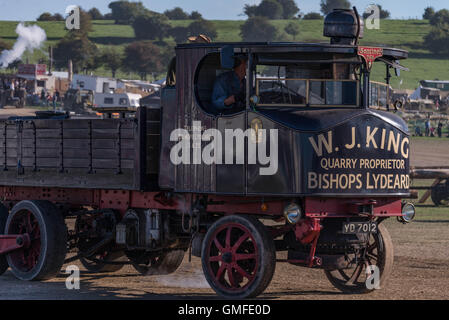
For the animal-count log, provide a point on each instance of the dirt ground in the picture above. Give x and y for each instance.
(420, 270)
(7, 112)
(429, 152)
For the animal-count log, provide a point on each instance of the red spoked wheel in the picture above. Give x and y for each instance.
(43, 255)
(238, 257)
(378, 253)
(24, 222)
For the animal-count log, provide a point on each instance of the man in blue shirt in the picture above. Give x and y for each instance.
(229, 87)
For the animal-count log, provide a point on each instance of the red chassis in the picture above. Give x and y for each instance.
(306, 231)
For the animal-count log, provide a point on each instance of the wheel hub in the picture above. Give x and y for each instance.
(227, 257)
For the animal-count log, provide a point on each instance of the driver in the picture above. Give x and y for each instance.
(229, 87)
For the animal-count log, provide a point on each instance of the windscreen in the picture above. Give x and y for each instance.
(305, 85)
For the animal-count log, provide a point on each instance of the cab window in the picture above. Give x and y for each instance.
(306, 80)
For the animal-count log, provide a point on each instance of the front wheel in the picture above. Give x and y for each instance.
(378, 253)
(238, 257)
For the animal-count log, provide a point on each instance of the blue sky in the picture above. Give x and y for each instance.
(26, 10)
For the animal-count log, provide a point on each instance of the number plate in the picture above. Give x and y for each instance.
(359, 227)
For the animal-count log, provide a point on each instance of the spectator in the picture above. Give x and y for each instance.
(55, 99)
(440, 130)
(418, 131)
(43, 95)
(428, 127)
(48, 99)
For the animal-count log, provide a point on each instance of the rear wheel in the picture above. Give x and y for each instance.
(238, 257)
(160, 264)
(44, 256)
(379, 253)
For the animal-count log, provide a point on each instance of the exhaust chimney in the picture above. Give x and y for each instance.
(70, 71)
(50, 65)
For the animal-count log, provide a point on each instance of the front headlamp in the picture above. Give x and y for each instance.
(408, 213)
(293, 213)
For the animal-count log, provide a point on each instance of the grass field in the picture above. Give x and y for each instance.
(427, 211)
(404, 34)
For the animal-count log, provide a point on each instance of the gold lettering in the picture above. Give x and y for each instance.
(404, 151)
(370, 137)
(322, 141)
(352, 145)
(393, 142)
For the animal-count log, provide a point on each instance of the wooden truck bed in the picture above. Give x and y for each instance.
(81, 153)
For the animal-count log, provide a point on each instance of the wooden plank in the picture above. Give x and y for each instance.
(45, 123)
(128, 154)
(76, 134)
(111, 144)
(112, 133)
(10, 152)
(73, 163)
(70, 178)
(55, 153)
(56, 163)
(70, 143)
(113, 123)
(112, 164)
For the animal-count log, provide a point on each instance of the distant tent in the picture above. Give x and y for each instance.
(416, 95)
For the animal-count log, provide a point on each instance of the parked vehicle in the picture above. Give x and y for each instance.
(116, 102)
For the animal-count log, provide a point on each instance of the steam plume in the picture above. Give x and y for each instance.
(30, 38)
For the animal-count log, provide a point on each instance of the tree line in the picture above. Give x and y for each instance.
(124, 12)
(437, 41)
(148, 54)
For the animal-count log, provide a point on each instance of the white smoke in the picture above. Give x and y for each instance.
(187, 276)
(30, 38)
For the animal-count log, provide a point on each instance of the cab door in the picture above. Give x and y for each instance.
(231, 176)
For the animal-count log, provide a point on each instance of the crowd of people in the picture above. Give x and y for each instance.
(12, 91)
(48, 99)
(15, 92)
(429, 130)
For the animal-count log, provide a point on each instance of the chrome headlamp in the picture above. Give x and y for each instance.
(293, 213)
(408, 213)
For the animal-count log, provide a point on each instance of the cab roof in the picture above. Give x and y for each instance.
(269, 47)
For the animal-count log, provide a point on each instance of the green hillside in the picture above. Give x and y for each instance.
(404, 34)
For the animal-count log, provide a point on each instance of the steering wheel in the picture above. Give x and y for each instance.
(290, 92)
